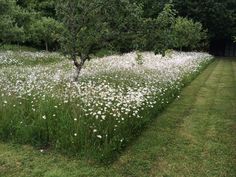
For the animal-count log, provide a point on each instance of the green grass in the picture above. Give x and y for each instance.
(17, 48)
(105, 52)
(193, 137)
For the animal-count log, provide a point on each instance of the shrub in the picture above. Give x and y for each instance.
(187, 34)
(139, 58)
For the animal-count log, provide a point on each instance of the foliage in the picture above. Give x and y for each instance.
(9, 29)
(169, 53)
(155, 34)
(84, 29)
(43, 7)
(151, 8)
(187, 34)
(219, 17)
(93, 25)
(124, 21)
(121, 26)
(46, 30)
(128, 25)
(139, 58)
(164, 33)
(169, 31)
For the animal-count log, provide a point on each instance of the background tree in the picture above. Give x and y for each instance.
(217, 16)
(124, 22)
(169, 31)
(151, 8)
(10, 31)
(93, 25)
(165, 20)
(124, 25)
(154, 34)
(187, 34)
(45, 30)
(43, 7)
(83, 29)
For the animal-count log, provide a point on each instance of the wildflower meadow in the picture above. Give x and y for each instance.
(114, 99)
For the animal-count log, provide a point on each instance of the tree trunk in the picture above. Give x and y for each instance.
(46, 46)
(78, 66)
(78, 71)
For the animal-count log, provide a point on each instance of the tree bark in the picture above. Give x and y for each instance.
(78, 66)
(46, 46)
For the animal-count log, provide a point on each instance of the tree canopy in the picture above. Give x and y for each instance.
(9, 28)
(120, 25)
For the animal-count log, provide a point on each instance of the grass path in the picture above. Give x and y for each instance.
(194, 137)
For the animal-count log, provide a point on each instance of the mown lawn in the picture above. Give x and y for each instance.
(194, 137)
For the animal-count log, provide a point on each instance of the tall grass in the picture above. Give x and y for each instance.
(6, 47)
